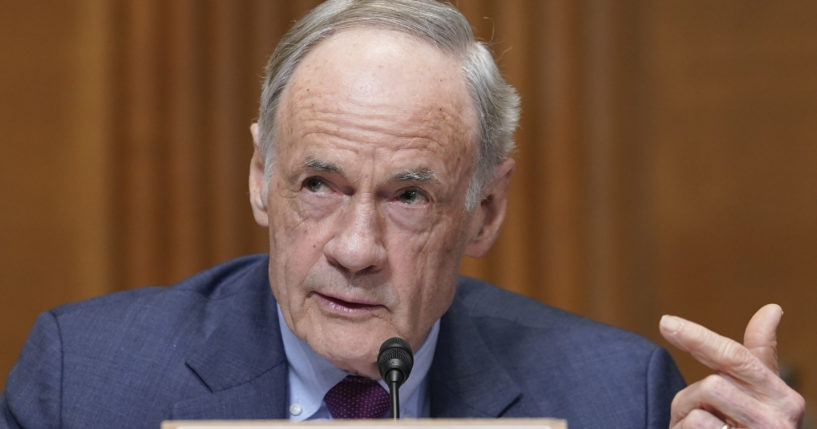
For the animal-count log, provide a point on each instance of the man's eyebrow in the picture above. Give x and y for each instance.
(324, 166)
(415, 175)
(421, 174)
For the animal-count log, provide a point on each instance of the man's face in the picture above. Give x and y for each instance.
(374, 152)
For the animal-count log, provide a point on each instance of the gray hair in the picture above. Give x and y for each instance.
(496, 102)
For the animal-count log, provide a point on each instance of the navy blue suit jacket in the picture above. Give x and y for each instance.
(210, 347)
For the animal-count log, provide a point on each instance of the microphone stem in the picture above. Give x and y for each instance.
(394, 389)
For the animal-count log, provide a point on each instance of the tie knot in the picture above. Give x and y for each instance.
(357, 397)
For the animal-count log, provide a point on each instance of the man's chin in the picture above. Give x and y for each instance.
(363, 368)
(354, 360)
(356, 353)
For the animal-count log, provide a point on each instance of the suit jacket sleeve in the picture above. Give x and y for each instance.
(32, 396)
(663, 382)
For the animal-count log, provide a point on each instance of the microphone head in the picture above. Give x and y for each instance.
(395, 360)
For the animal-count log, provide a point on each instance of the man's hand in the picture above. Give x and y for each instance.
(746, 390)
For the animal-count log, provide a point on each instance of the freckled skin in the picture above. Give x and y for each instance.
(372, 104)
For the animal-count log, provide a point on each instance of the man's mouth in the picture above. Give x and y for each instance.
(342, 305)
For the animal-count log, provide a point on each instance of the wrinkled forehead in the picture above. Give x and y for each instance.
(383, 72)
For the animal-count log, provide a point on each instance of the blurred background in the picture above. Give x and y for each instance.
(667, 155)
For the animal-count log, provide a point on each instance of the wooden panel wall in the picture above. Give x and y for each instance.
(732, 166)
(666, 157)
(55, 122)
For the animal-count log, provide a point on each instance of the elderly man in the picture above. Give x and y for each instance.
(381, 160)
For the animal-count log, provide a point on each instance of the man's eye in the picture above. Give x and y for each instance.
(314, 184)
(412, 196)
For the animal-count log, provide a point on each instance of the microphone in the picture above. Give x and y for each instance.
(394, 362)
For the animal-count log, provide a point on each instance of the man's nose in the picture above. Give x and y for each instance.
(357, 247)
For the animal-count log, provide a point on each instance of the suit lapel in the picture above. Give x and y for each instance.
(465, 380)
(242, 361)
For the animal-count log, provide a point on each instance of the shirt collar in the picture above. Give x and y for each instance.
(311, 376)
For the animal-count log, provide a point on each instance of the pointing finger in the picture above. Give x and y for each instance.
(715, 351)
(761, 335)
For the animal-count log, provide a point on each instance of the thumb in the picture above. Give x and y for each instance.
(761, 335)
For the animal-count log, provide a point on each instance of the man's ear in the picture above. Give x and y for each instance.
(258, 181)
(487, 218)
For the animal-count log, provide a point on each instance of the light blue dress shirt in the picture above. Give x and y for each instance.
(311, 376)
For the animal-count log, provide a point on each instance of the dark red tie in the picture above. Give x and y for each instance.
(357, 397)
